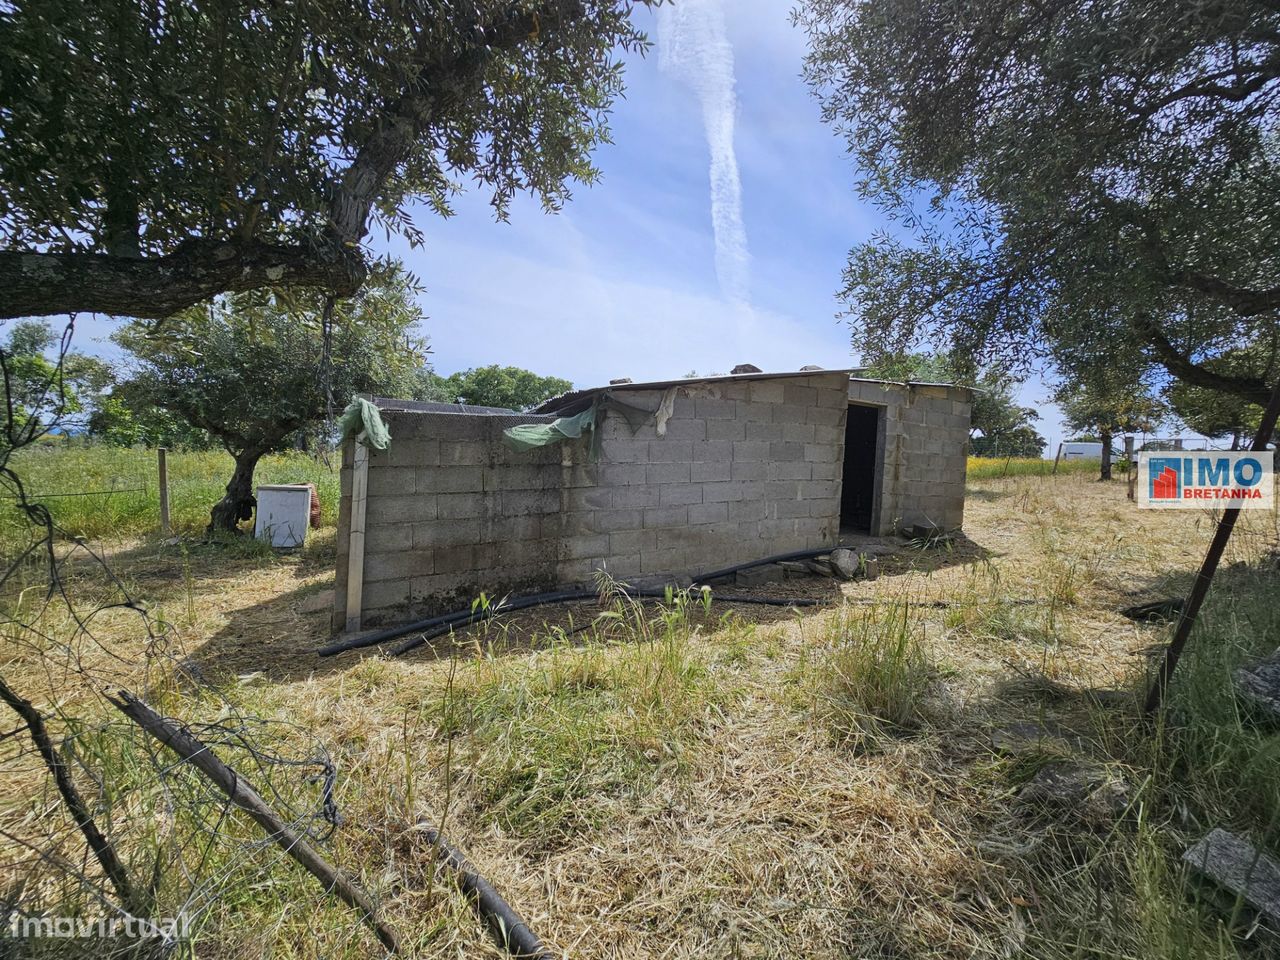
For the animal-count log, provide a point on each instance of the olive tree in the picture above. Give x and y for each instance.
(252, 370)
(154, 155)
(1050, 167)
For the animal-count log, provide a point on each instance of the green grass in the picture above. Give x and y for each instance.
(874, 678)
(197, 480)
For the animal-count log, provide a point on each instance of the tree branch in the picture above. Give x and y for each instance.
(1253, 389)
(157, 287)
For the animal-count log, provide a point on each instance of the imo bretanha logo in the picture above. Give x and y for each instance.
(1234, 481)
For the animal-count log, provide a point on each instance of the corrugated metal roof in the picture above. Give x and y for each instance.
(571, 401)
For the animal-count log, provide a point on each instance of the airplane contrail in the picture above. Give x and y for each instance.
(693, 46)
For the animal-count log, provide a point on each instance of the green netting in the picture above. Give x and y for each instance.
(363, 421)
(529, 436)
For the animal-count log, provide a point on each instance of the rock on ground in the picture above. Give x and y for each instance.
(1235, 864)
(1260, 684)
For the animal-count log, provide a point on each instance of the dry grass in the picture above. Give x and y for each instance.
(680, 784)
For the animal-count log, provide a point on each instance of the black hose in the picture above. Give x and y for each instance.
(467, 616)
(507, 927)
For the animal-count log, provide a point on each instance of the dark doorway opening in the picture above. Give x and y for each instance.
(861, 462)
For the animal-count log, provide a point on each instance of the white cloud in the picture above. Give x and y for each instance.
(694, 47)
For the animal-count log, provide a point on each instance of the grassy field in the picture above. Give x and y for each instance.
(677, 781)
(100, 491)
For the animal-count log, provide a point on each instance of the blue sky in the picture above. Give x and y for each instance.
(625, 280)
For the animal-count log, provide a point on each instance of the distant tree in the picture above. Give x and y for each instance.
(155, 155)
(494, 386)
(1220, 415)
(998, 426)
(1059, 171)
(35, 385)
(250, 370)
(1107, 402)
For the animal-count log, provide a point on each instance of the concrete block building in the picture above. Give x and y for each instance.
(668, 478)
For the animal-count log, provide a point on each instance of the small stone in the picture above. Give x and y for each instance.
(1259, 684)
(746, 368)
(820, 567)
(1077, 788)
(845, 563)
(1235, 864)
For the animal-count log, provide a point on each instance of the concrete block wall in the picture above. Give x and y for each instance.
(448, 503)
(741, 470)
(924, 446)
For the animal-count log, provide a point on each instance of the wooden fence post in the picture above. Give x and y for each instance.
(163, 456)
(1133, 466)
(1056, 457)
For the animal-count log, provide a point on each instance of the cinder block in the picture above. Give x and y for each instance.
(786, 450)
(624, 451)
(701, 513)
(756, 412)
(680, 494)
(790, 470)
(445, 533)
(725, 491)
(763, 431)
(518, 503)
(709, 408)
(398, 565)
(464, 453)
(740, 510)
(608, 521)
(686, 429)
(749, 470)
(579, 548)
(713, 450)
(832, 470)
(587, 498)
(411, 453)
(450, 480)
(510, 476)
(791, 413)
(767, 391)
(667, 473)
(836, 396)
(799, 396)
(456, 559)
(790, 509)
(387, 595)
(622, 474)
(462, 506)
(750, 450)
(388, 537)
(635, 496)
(826, 416)
(726, 429)
(824, 507)
(709, 471)
(665, 517)
(829, 435)
(407, 509)
(670, 451)
(627, 542)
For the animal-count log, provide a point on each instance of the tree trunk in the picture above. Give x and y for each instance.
(237, 503)
(1106, 455)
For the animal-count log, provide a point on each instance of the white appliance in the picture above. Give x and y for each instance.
(284, 511)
